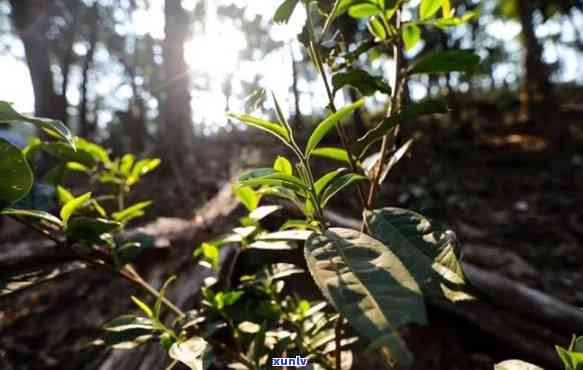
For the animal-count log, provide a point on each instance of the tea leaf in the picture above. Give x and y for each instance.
(446, 61)
(73, 205)
(332, 153)
(16, 177)
(285, 11)
(33, 213)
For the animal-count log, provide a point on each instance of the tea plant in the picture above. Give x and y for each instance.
(571, 358)
(377, 278)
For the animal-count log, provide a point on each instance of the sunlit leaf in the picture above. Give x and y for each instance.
(282, 164)
(260, 213)
(132, 212)
(126, 163)
(190, 353)
(429, 8)
(364, 10)
(377, 29)
(72, 206)
(328, 124)
(368, 284)
(273, 128)
(249, 197)
(298, 235)
(332, 153)
(16, 177)
(143, 306)
(516, 365)
(33, 213)
(269, 176)
(325, 180)
(142, 168)
(446, 61)
(411, 35)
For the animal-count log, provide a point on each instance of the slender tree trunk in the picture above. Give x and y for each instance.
(536, 87)
(298, 121)
(176, 132)
(86, 127)
(31, 21)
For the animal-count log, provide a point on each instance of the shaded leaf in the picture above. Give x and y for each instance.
(65, 152)
(446, 61)
(16, 177)
(338, 184)
(388, 124)
(368, 284)
(52, 127)
(429, 254)
(285, 11)
(360, 80)
(91, 229)
(269, 176)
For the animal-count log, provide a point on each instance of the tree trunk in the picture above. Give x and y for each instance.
(536, 87)
(176, 131)
(31, 21)
(87, 128)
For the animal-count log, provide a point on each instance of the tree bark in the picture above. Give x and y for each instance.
(31, 21)
(536, 87)
(176, 132)
(86, 127)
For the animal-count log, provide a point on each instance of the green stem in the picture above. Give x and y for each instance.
(393, 108)
(339, 128)
(337, 342)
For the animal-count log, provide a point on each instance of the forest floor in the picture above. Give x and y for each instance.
(498, 186)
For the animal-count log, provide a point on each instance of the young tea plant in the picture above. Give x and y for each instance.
(378, 278)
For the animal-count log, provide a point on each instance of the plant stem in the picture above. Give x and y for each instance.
(393, 109)
(135, 277)
(337, 342)
(172, 365)
(339, 128)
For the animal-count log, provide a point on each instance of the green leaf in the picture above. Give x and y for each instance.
(430, 255)
(326, 125)
(360, 80)
(98, 152)
(211, 254)
(127, 332)
(364, 10)
(143, 306)
(368, 284)
(377, 29)
(456, 21)
(428, 8)
(260, 213)
(388, 124)
(268, 176)
(325, 180)
(338, 184)
(292, 235)
(282, 164)
(249, 197)
(126, 163)
(72, 206)
(446, 61)
(411, 35)
(52, 127)
(336, 154)
(285, 11)
(190, 353)
(64, 195)
(273, 128)
(132, 212)
(33, 213)
(446, 9)
(142, 168)
(516, 365)
(16, 177)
